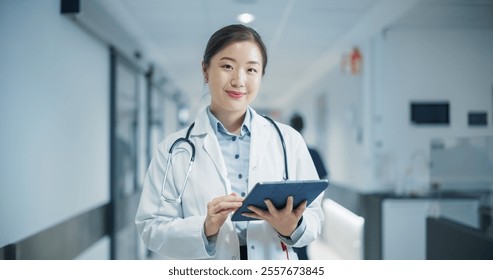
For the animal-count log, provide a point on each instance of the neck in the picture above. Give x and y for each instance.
(232, 121)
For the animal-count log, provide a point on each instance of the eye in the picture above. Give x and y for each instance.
(227, 66)
(252, 70)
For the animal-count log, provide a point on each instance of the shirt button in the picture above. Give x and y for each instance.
(254, 168)
(243, 194)
(233, 138)
(240, 176)
(233, 257)
(253, 247)
(237, 156)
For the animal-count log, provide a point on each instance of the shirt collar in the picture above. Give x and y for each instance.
(218, 127)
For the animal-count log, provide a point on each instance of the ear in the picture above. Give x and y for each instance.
(204, 72)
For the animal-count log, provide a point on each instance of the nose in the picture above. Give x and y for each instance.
(238, 79)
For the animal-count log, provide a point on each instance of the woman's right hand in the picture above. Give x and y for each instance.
(218, 210)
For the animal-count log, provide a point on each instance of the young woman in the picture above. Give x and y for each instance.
(186, 215)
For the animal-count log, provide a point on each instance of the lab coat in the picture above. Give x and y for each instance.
(175, 230)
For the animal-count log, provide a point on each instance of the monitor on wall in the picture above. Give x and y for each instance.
(430, 113)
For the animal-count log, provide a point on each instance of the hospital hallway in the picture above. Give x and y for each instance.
(396, 96)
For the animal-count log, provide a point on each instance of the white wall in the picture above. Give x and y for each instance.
(400, 66)
(54, 119)
(454, 65)
(337, 129)
(345, 148)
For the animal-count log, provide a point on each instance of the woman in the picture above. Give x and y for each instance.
(235, 148)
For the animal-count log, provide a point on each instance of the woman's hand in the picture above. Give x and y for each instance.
(218, 210)
(283, 220)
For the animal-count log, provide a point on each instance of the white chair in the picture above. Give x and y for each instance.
(342, 235)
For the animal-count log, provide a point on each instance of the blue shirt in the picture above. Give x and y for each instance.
(236, 154)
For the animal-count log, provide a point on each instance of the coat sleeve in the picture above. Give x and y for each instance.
(302, 168)
(161, 224)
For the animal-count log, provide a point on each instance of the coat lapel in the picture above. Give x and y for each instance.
(261, 136)
(207, 141)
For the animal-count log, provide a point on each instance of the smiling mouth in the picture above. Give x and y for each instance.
(235, 94)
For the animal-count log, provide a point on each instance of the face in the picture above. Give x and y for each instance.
(234, 75)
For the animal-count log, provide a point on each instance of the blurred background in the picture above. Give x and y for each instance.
(397, 96)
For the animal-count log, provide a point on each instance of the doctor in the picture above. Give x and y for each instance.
(234, 149)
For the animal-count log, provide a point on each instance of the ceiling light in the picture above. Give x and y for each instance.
(246, 18)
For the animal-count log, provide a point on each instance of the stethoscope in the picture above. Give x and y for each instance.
(187, 141)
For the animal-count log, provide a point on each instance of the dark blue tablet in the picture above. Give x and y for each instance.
(278, 193)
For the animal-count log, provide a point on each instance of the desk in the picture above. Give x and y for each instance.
(371, 206)
(404, 223)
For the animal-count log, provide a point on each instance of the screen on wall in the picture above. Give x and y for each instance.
(433, 113)
(477, 118)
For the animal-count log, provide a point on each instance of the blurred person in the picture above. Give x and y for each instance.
(187, 216)
(297, 123)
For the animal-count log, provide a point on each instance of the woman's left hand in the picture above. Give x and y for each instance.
(283, 220)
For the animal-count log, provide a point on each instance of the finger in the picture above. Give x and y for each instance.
(231, 197)
(228, 204)
(224, 205)
(226, 211)
(261, 213)
(227, 198)
(300, 209)
(236, 197)
(289, 204)
(270, 206)
(251, 215)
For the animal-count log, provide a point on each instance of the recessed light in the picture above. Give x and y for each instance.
(246, 18)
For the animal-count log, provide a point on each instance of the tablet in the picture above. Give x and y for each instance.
(278, 192)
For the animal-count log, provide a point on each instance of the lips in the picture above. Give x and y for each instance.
(235, 94)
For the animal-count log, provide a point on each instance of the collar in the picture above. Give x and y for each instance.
(219, 128)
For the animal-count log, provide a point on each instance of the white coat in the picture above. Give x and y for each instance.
(175, 230)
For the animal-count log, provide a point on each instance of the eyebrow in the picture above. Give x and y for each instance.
(234, 60)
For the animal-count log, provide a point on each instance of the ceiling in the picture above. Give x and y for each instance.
(304, 38)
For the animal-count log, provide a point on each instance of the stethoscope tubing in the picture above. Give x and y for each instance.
(168, 165)
(286, 177)
(186, 139)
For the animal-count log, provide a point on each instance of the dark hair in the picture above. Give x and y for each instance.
(297, 122)
(231, 34)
